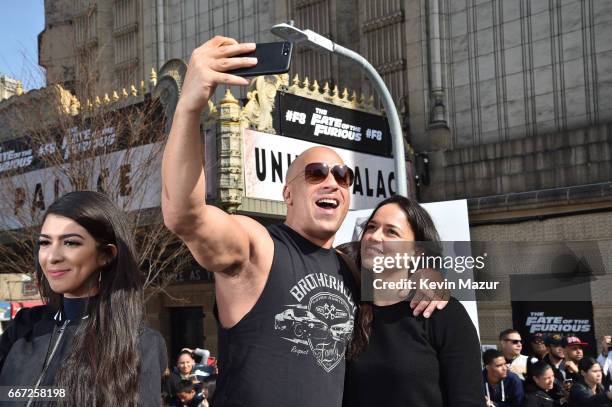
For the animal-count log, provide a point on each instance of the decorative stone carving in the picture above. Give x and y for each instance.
(229, 148)
(257, 112)
(168, 87)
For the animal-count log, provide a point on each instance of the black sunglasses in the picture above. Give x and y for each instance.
(514, 341)
(315, 173)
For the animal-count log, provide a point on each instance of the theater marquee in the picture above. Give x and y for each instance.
(266, 158)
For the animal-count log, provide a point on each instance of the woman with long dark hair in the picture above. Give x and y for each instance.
(589, 392)
(396, 359)
(90, 338)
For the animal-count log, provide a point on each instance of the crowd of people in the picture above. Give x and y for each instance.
(190, 384)
(554, 372)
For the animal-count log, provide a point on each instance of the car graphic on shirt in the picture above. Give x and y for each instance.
(342, 332)
(302, 323)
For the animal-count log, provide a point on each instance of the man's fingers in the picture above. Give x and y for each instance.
(436, 298)
(227, 64)
(442, 297)
(421, 300)
(416, 299)
(430, 308)
(231, 50)
(442, 304)
(231, 79)
(219, 40)
(420, 307)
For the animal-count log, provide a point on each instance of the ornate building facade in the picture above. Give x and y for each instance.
(9, 87)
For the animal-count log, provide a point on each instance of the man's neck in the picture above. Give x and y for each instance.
(510, 357)
(493, 381)
(325, 242)
(555, 360)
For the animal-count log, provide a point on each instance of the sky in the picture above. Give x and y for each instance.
(20, 23)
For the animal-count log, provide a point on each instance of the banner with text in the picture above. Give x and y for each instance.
(324, 123)
(559, 317)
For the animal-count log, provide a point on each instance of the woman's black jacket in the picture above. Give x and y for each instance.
(34, 335)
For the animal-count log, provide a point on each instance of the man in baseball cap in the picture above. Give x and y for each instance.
(537, 348)
(572, 347)
(556, 359)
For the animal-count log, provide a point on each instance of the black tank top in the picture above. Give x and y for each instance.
(289, 349)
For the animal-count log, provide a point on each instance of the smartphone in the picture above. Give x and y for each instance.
(272, 58)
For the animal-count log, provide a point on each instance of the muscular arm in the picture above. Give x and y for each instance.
(238, 249)
(218, 241)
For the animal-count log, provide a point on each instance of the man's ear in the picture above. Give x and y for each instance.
(287, 195)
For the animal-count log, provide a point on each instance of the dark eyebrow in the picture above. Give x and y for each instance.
(67, 235)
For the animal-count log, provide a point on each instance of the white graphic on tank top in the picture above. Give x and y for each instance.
(321, 323)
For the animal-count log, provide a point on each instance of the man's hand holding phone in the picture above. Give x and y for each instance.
(207, 68)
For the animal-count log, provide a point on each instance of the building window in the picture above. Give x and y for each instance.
(86, 27)
(125, 41)
(125, 14)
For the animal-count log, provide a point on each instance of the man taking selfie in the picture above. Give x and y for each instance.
(283, 294)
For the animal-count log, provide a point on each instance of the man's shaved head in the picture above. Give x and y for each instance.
(313, 154)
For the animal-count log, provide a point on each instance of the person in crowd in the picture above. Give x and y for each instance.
(511, 346)
(190, 396)
(589, 392)
(503, 388)
(556, 359)
(537, 389)
(209, 387)
(537, 347)
(267, 280)
(605, 360)
(90, 337)
(203, 369)
(395, 358)
(187, 369)
(572, 348)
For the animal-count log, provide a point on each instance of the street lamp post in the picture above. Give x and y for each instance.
(317, 41)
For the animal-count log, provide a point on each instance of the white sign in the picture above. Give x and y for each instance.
(266, 158)
(452, 224)
(134, 173)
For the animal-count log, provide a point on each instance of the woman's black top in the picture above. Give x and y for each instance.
(536, 397)
(38, 341)
(582, 396)
(413, 361)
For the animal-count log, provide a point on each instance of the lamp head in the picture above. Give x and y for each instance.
(289, 32)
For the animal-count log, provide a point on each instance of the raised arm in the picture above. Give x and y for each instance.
(218, 241)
